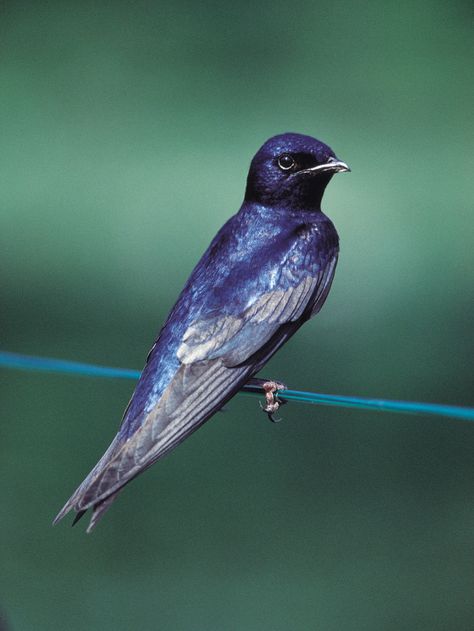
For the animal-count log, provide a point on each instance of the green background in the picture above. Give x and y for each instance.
(126, 133)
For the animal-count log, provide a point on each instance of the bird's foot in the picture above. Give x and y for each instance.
(271, 390)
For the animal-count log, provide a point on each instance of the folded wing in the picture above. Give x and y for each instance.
(217, 355)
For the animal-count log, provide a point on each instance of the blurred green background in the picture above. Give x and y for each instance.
(127, 130)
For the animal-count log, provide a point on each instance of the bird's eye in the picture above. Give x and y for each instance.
(286, 162)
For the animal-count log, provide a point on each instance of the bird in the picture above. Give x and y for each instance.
(267, 271)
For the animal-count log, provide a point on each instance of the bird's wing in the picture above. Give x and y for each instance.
(236, 337)
(218, 354)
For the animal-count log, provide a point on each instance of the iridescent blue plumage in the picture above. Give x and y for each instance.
(266, 272)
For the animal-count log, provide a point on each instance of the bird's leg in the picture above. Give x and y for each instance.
(271, 390)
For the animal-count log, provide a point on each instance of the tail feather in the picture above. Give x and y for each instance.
(78, 516)
(99, 510)
(75, 499)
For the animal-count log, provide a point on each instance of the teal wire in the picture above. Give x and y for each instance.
(47, 364)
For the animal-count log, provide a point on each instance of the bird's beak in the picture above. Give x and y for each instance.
(338, 166)
(333, 164)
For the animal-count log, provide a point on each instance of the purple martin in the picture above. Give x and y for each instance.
(267, 271)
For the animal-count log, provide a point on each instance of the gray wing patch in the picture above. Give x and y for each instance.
(234, 338)
(196, 392)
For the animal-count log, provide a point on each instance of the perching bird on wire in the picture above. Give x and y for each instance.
(267, 271)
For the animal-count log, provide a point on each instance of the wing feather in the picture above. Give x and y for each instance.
(237, 337)
(196, 392)
(217, 356)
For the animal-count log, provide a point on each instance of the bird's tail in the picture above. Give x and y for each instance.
(98, 511)
(74, 501)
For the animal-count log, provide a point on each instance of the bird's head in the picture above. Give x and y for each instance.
(292, 170)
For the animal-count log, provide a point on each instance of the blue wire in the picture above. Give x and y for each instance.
(46, 364)
(49, 364)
